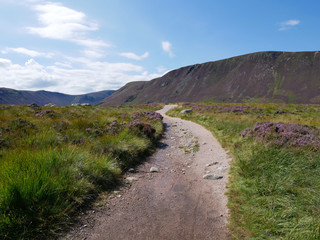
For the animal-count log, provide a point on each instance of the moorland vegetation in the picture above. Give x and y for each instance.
(55, 160)
(273, 190)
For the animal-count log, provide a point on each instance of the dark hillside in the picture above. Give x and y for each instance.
(288, 77)
(11, 96)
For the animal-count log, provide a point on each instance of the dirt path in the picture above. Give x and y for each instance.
(174, 203)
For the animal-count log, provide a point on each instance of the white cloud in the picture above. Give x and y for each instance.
(89, 76)
(161, 69)
(63, 64)
(60, 22)
(93, 54)
(28, 52)
(288, 24)
(4, 62)
(63, 23)
(134, 56)
(166, 46)
(73, 75)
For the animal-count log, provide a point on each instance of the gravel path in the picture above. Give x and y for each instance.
(182, 198)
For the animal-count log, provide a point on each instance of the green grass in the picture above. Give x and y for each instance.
(51, 165)
(273, 192)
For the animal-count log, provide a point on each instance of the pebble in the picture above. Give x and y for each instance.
(131, 170)
(222, 169)
(131, 179)
(154, 169)
(212, 177)
(211, 164)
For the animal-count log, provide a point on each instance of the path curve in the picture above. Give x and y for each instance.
(174, 203)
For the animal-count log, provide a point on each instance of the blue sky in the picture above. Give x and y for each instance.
(75, 47)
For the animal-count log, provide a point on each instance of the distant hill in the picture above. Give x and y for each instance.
(17, 97)
(287, 77)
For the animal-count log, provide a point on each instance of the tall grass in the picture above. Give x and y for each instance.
(54, 160)
(273, 191)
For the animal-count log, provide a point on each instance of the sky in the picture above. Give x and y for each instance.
(78, 46)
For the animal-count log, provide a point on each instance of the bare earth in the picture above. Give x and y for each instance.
(174, 203)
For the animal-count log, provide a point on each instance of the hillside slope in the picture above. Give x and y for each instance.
(290, 77)
(11, 96)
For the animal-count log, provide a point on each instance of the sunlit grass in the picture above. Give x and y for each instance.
(53, 162)
(273, 191)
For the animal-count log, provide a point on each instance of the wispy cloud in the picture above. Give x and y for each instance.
(166, 46)
(63, 23)
(161, 69)
(288, 24)
(28, 52)
(134, 56)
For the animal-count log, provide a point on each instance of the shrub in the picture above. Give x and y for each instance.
(142, 128)
(281, 134)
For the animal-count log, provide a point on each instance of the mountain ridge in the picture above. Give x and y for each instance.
(271, 76)
(42, 97)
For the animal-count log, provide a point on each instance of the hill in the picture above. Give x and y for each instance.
(283, 77)
(17, 97)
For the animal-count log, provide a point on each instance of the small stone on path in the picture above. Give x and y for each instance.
(211, 164)
(131, 179)
(154, 169)
(212, 177)
(223, 169)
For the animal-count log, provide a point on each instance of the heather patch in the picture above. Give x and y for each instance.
(47, 113)
(142, 128)
(226, 109)
(150, 115)
(284, 134)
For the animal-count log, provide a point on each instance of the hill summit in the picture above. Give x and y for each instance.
(283, 77)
